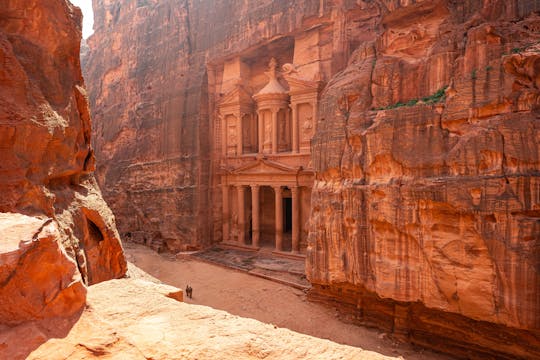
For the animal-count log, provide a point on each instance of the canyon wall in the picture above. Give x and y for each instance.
(150, 80)
(426, 204)
(67, 234)
(427, 193)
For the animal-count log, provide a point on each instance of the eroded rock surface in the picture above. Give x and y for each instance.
(153, 98)
(132, 319)
(427, 194)
(426, 202)
(46, 160)
(39, 280)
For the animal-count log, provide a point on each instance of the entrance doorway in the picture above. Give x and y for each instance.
(287, 215)
(287, 221)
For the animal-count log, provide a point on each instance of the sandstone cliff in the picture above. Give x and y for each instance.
(427, 157)
(46, 165)
(425, 208)
(150, 92)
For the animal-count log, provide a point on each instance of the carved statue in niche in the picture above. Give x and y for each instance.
(307, 126)
(232, 135)
(282, 134)
(246, 130)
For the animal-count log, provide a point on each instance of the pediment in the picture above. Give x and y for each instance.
(238, 95)
(296, 84)
(265, 167)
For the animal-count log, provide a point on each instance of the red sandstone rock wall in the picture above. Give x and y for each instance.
(427, 156)
(426, 204)
(46, 161)
(148, 84)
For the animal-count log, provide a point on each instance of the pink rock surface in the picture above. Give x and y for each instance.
(46, 159)
(425, 208)
(133, 319)
(38, 279)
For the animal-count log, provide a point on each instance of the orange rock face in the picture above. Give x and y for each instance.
(425, 208)
(46, 165)
(427, 191)
(154, 106)
(39, 280)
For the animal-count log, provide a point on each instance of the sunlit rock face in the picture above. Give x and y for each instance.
(46, 164)
(427, 157)
(39, 280)
(154, 75)
(424, 212)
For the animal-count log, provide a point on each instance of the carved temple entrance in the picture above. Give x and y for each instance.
(265, 119)
(266, 205)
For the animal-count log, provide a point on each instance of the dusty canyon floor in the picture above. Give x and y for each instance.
(253, 297)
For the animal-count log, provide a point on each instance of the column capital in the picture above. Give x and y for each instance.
(294, 189)
(255, 186)
(277, 187)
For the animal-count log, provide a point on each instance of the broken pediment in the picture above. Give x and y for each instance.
(301, 86)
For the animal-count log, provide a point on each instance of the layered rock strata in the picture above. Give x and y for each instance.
(153, 89)
(425, 206)
(46, 165)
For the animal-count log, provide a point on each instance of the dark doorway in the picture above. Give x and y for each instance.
(287, 224)
(287, 215)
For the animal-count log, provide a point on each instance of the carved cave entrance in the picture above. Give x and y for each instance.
(266, 101)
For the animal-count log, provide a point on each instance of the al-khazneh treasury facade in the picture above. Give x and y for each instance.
(263, 122)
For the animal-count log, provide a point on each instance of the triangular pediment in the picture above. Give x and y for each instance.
(238, 95)
(264, 167)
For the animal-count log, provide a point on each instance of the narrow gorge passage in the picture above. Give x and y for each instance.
(253, 297)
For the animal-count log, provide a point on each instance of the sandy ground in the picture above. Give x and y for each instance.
(253, 297)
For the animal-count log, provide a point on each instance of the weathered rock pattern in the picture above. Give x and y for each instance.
(426, 205)
(39, 280)
(427, 194)
(46, 165)
(144, 324)
(152, 100)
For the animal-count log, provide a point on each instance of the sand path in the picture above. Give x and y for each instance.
(253, 297)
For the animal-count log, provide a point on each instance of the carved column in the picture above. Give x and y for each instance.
(241, 214)
(225, 205)
(295, 219)
(260, 126)
(279, 218)
(294, 127)
(224, 135)
(240, 135)
(274, 130)
(255, 213)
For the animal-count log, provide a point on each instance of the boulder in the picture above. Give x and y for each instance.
(38, 279)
